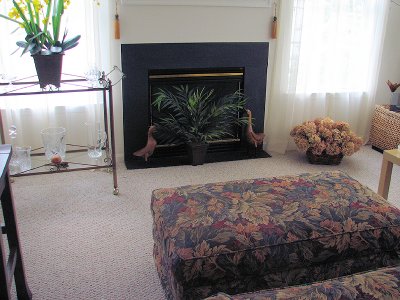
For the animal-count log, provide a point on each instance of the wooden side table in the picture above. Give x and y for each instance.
(390, 157)
(12, 267)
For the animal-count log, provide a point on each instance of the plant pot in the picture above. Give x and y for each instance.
(197, 153)
(323, 159)
(48, 69)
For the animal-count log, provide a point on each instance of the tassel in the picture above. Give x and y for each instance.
(274, 25)
(117, 31)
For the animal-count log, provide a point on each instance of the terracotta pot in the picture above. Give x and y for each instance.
(197, 153)
(323, 159)
(48, 69)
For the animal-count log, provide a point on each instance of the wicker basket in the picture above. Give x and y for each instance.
(323, 159)
(385, 128)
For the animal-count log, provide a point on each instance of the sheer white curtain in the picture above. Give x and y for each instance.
(327, 63)
(30, 114)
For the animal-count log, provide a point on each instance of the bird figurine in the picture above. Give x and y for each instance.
(151, 144)
(252, 137)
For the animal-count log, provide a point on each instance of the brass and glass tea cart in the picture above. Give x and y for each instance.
(75, 160)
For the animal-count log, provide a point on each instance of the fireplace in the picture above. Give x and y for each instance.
(223, 67)
(221, 82)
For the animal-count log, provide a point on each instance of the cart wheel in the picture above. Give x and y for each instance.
(116, 191)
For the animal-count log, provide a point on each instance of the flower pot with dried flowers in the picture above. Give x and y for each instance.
(325, 141)
(45, 45)
(395, 96)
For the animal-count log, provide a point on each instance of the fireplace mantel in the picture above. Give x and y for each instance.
(233, 3)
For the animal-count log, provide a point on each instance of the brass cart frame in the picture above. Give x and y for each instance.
(74, 84)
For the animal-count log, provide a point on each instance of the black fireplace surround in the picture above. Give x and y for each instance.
(139, 60)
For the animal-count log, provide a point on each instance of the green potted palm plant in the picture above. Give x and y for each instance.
(195, 117)
(41, 20)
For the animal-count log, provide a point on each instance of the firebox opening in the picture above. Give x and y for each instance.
(222, 81)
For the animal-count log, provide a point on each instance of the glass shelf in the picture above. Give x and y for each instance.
(76, 158)
(69, 84)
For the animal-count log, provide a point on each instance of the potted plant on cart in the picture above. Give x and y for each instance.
(195, 117)
(41, 20)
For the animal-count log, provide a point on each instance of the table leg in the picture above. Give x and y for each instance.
(384, 180)
(113, 156)
(16, 268)
(4, 276)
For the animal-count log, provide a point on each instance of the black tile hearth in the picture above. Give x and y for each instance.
(158, 162)
(140, 60)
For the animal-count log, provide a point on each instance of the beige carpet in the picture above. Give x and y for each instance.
(82, 242)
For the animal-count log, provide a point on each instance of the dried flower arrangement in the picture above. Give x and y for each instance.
(324, 136)
(392, 86)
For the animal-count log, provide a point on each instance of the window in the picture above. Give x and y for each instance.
(331, 45)
(326, 65)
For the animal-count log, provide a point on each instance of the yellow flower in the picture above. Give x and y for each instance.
(66, 3)
(37, 5)
(13, 14)
(29, 12)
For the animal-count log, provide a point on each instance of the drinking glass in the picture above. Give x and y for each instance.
(93, 75)
(13, 165)
(54, 141)
(96, 139)
(9, 79)
(23, 158)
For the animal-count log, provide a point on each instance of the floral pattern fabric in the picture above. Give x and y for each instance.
(256, 234)
(375, 285)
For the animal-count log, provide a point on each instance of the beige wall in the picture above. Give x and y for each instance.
(177, 24)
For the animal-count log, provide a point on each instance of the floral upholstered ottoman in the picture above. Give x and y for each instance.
(373, 285)
(249, 235)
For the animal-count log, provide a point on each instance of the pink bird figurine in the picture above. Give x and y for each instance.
(151, 144)
(252, 137)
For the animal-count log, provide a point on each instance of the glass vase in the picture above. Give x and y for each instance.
(54, 141)
(96, 139)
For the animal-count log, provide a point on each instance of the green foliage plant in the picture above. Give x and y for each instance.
(41, 20)
(195, 115)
